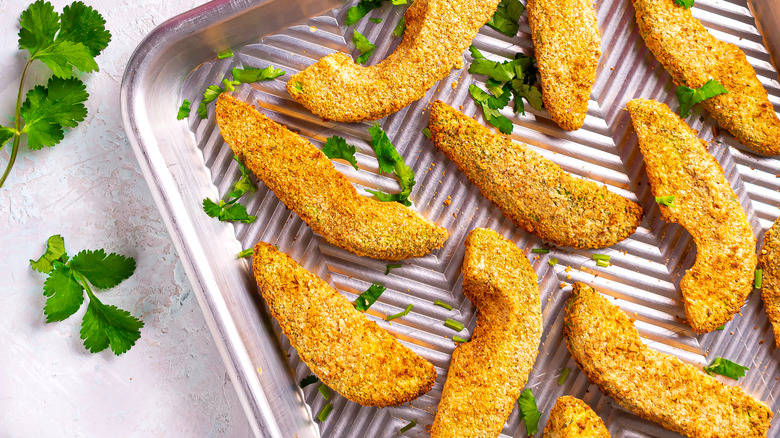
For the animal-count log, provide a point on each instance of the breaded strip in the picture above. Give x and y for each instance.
(573, 418)
(567, 47)
(437, 33)
(306, 181)
(536, 194)
(656, 386)
(769, 262)
(347, 351)
(679, 165)
(488, 373)
(692, 56)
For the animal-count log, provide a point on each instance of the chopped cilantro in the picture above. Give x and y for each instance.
(324, 391)
(426, 132)
(459, 339)
(665, 200)
(246, 253)
(687, 4)
(400, 314)
(55, 252)
(227, 53)
(355, 13)
(506, 17)
(721, 327)
(689, 97)
(528, 411)
(540, 250)
(601, 257)
(249, 75)
(375, 20)
(492, 115)
(552, 262)
(230, 209)
(390, 161)
(337, 147)
(400, 27)
(369, 297)
(758, 278)
(602, 263)
(563, 376)
(454, 325)
(308, 380)
(441, 303)
(727, 368)
(364, 45)
(184, 110)
(408, 426)
(392, 266)
(325, 412)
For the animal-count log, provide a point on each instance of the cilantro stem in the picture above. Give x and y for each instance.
(17, 125)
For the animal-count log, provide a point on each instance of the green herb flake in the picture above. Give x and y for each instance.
(529, 411)
(459, 339)
(55, 252)
(687, 4)
(441, 303)
(689, 97)
(325, 412)
(369, 297)
(601, 257)
(249, 75)
(727, 368)
(365, 47)
(454, 325)
(602, 263)
(400, 314)
(392, 266)
(427, 132)
(721, 327)
(540, 250)
(758, 278)
(375, 20)
(552, 262)
(324, 391)
(390, 161)
(400, 28)
(492, 115)
(227, 53)
(665, 200)
(408, 426)
(184, 110)
(337, 148)
(506, 17)
(246, 253)
(229, 209)
(355, 13)
(563, 376)
(308, 380)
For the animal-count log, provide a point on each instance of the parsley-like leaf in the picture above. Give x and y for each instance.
(390, 161)
(689, 97)
(244, 183)
(727, 368)
(65, 294)
(5, 135)
(364, 45)
(492, 115)
(55, 251)
(62, 56)
(506, 17)
(528, 92)
(82, 24)
(103, 271)
(249, 75)
(211, 94)
(337, 147)
(355, 13)
(375, 20)
(400, 28)
(39, 26)
(227, 212)
(529, 412)
(687, 4)
(105, 326)
(184, 110)
(369, 297)
(48, 109)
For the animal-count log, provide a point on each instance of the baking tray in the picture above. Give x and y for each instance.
(186, 161)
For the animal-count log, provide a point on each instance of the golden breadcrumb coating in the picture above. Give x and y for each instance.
(532, 191)
(693, 56)
(656, 386)
(487, 374)
(437, 33)
(769, 262)
(348, 352)
(567, 47)
(573, 418)
(304, 179)
(678, 165)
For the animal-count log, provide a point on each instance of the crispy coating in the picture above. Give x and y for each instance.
(535, 193)
(487, 374)
(437, 33)
(656, 386)
(692, 56)
(679, 165)
(306, 181)
(573, 418)
(567, 46)
(769, 262)
(347, 351)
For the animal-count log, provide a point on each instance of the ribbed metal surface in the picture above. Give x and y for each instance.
(646, 268)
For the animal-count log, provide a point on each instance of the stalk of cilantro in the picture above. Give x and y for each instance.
(68, 279)
(689, 97)
(63, 42)
(229, 209)
(390, 161)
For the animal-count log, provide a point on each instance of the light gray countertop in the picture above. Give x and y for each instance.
(90, 190)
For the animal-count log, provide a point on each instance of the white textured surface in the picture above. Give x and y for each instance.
(89, 189)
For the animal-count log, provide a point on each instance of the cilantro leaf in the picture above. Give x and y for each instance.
(529, 412)
(227, 211)
(369, 297)
(249, 75)
(337, 147)
(727, 368)
(687, 4)
(530, 93)
(355, 13)
(103, 271)
(375, 20)
(62, 56)
(665, 200)
(105, 326)
(364, 45)
(492, 115)
(689, 97)
(225, 54)
(39, 26)
(506, 17)
(308, 380)
(184, 110)
(400, 28)
(47, 110)
(65, 294)
(212, 93)
(82, 24)
(55, 251)
(5, 135)
(398, 2)
(244, 183)
(390, 161)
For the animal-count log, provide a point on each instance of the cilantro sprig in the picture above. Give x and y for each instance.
(689, 97)
(103, 325)
(369, 297)
(337, 147)
(727, 368)
(66, 43)
(229, 209)
(506, 17)
(391, 162)
(529, 411)
(364, 45)
(360, 10)
(240, 76)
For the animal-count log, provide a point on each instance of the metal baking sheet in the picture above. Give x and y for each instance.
(186, 161)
